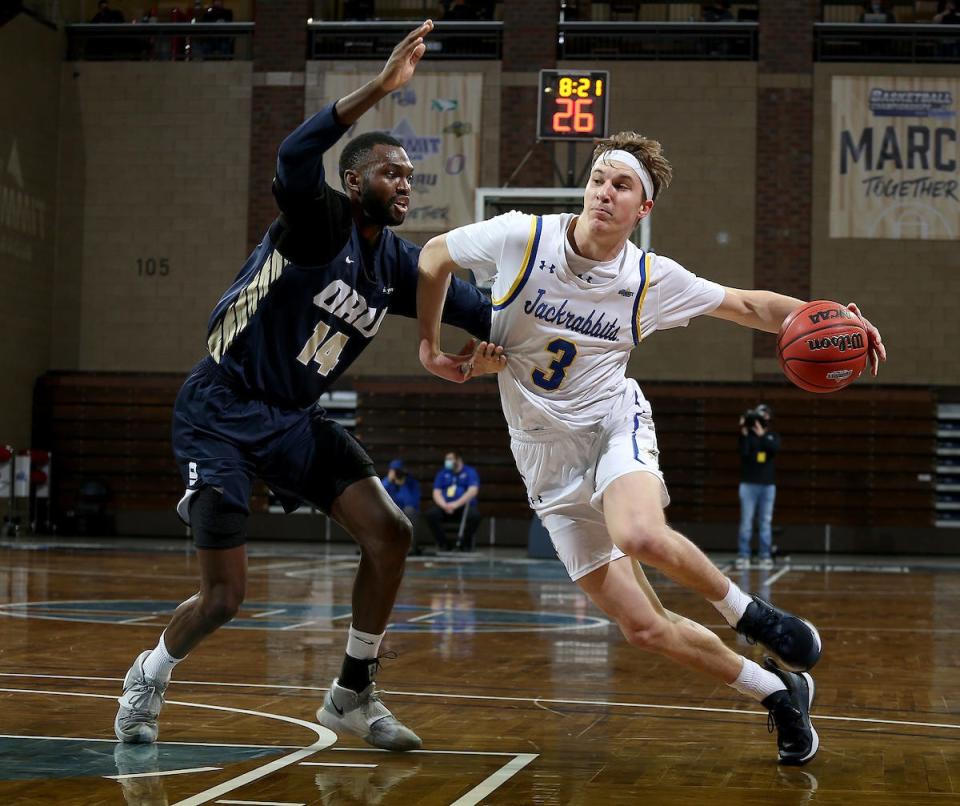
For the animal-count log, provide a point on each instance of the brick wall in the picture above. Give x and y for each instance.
(786, 35)
(279, 48)
(784, 175)
(529, 45)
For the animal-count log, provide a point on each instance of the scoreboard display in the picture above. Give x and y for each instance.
(573, 104)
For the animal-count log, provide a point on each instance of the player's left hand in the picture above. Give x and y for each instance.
(875, 348)
(402, 63)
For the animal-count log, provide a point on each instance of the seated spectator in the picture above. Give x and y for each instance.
(455, 491)
(718, 11)
(876, 11)
(947, 13)
(107, 14)
(220, 47)
(217, 13)
(404, 489)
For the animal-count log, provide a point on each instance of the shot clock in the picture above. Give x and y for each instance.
(572, 104)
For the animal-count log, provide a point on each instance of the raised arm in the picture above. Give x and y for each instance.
(300, 159)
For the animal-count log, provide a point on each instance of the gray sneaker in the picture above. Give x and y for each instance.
(139, 706)
(345, 711)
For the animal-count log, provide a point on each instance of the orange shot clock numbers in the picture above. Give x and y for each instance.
(573, 104)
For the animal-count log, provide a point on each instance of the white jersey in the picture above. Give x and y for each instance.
(568, 331)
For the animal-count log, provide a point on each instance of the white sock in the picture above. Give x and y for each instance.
(733, 605)
(363, 645)
(755, 681)
(159, 663)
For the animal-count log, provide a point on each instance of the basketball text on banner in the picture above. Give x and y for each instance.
(894, 158)
(437, 118)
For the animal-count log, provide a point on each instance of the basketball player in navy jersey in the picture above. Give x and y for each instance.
(307, 302)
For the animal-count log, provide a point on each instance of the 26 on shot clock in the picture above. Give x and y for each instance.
(573, 104)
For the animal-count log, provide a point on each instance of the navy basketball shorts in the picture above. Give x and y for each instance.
(224, 440)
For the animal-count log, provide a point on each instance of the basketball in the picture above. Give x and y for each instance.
(822, 347)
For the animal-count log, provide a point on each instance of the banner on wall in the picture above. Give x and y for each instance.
(437, 118)
(894, 158)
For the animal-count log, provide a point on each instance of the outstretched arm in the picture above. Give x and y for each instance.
(766, 310)
(761, 310)
(436, 270)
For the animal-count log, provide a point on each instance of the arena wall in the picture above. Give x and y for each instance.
(30, 57)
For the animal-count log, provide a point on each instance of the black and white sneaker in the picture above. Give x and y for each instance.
(789, 710)
(793, 643)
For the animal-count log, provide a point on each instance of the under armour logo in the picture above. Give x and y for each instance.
(543, 266)
(349, 259)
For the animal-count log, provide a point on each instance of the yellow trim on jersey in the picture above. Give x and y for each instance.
(648, 259)
(521, 271)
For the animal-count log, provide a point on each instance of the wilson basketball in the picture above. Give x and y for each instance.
(822, 347)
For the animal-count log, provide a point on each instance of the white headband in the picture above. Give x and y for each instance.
(616, 155)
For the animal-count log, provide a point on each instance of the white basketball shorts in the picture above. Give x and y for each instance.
(567, 472)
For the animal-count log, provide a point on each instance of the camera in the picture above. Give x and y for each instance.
(761, 414)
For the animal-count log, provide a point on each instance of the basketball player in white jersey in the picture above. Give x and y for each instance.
(572, 297)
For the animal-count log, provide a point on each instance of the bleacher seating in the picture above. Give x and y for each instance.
(864, 457)
(849, 459)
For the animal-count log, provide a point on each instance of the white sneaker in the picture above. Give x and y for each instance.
(140, 705)
(743, 562)
(345, 711)
(766, 563)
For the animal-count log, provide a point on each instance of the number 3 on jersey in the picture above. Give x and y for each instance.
(325, 353)
(565, 351)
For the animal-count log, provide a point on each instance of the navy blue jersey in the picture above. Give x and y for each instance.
(313, 294)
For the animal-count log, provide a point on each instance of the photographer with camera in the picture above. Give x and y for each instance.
(759, 446)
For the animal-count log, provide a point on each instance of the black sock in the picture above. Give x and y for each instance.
(356, 674)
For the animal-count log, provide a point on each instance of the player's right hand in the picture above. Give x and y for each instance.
(877, 350)
(402, 63)
(487, 358)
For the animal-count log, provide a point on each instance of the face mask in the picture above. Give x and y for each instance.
(449, 464)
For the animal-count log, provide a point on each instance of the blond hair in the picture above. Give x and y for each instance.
(649, 152)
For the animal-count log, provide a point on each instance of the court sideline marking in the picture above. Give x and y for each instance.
(474, 796)
(486, 697)
(325, 738)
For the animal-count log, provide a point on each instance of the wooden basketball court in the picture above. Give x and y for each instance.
(522, 692)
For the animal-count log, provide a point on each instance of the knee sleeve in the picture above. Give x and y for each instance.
(215, 524)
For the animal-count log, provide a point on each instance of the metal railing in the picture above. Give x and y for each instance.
(168, 41)
(375, 40)
(692, 41)
(862, 42)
